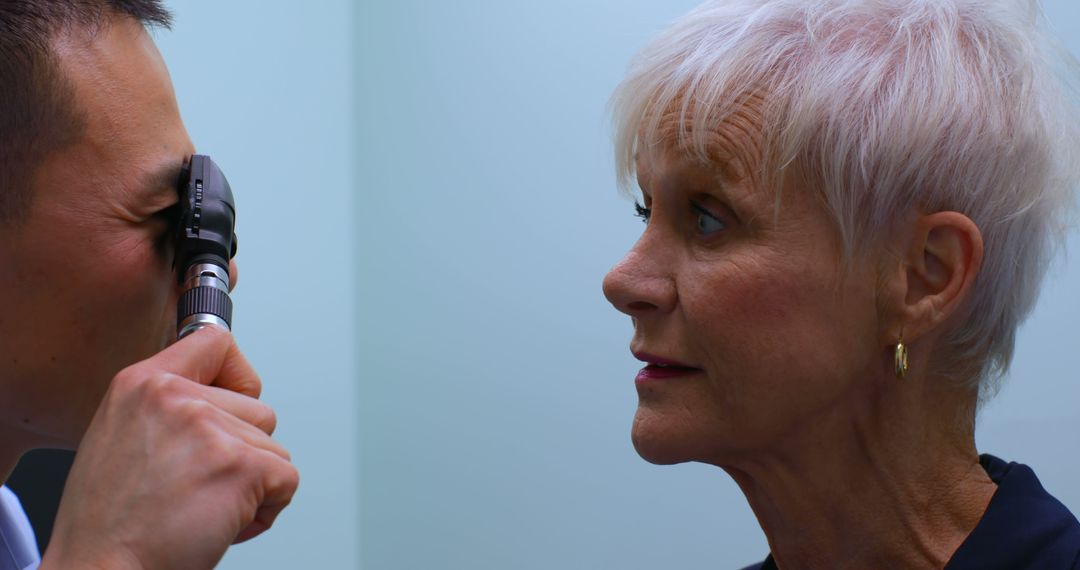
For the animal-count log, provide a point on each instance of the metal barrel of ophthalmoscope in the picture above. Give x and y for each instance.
(205, 243)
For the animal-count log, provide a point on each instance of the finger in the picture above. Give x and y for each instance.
(264, 519)
(245, 408)
(279, 484)
(208, 356)
(252, 436)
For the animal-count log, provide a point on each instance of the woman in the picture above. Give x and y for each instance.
(849, 208)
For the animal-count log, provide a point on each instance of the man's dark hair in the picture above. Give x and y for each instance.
(37, 111)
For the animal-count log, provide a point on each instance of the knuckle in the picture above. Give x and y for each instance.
(293, 480)
(228, 454)
(129, 379)
(287, 479)
(230, 462)
(161, 393)
(141, 383)
(196, 413)
(267, 419)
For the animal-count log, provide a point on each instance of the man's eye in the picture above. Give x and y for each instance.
(642, 212)
(707, 222)
(169, 215)
(163, 223)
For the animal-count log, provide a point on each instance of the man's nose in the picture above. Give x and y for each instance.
(640, 285)
(234, 274)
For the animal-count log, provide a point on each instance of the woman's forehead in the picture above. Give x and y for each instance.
(731, 144)
(728, 156)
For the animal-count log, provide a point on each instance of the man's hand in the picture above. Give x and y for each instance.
(176, 465)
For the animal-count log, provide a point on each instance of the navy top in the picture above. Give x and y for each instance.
(1023, 527)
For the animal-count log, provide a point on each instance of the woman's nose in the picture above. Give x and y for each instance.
(639, 286)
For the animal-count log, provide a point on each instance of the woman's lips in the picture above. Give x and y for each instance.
(656, 372)
(660, 368)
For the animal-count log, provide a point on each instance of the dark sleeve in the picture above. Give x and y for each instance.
(767, 564)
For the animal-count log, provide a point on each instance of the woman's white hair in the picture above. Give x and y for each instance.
(884, 107)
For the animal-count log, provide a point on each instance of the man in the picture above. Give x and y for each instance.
(175, 460)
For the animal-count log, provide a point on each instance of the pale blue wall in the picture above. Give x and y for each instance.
(1036, 417)
(495, 381)
(265, 87)
(433, 180)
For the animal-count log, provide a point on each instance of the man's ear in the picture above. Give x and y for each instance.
(939, 266)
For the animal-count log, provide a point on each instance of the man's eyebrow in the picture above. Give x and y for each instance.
(162, 181)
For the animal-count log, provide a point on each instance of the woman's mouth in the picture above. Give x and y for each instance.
(662, 368)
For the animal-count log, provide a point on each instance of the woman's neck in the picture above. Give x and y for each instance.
(882, 487)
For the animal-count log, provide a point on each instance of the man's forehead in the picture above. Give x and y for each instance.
(133, 135)
(119, 79)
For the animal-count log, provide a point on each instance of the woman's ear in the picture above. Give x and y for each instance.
(943, 257)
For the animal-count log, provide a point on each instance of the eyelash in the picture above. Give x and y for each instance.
(642, 212)
(646, 213)
(170, 216)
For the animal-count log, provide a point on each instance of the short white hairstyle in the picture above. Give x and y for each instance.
(885, 107)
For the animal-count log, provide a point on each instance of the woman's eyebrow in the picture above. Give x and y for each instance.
(715, 178)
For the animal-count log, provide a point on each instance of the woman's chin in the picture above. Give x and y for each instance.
(661, 441)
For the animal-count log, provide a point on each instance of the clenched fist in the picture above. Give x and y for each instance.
(177, 464)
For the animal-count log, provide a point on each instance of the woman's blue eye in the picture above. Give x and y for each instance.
(707, 222)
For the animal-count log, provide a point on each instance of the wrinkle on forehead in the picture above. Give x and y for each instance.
(734, 146)
(734, 149)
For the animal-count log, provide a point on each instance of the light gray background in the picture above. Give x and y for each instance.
(266, 88)
(430, 185)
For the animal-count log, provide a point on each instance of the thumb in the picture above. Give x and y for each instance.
(210, 357)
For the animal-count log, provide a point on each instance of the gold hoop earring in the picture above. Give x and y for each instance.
(900, 355)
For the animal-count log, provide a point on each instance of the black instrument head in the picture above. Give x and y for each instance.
(206, 229)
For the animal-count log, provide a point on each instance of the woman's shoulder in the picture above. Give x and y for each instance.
(1023, 527)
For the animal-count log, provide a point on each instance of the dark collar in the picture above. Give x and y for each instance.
(1023, 527)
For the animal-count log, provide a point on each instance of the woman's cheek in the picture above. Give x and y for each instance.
(747, 295)
(759, 322)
